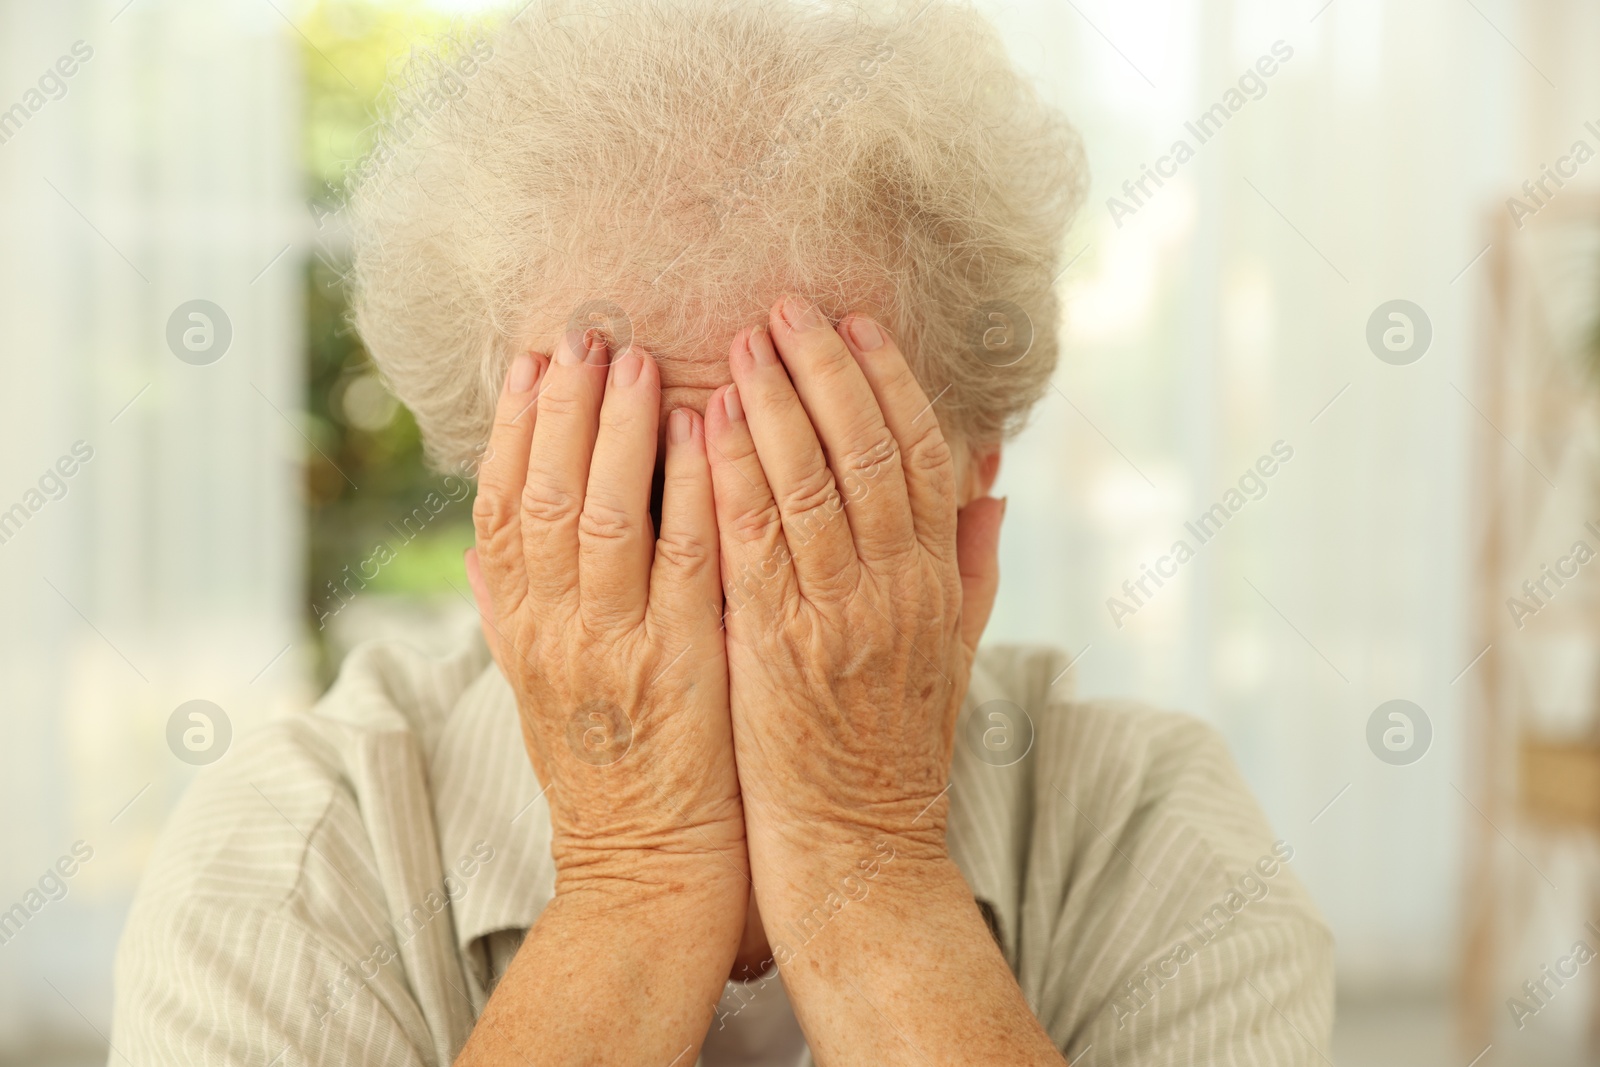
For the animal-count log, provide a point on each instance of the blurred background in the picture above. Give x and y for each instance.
(1382, 258)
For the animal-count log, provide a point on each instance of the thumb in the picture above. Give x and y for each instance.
(978, 555)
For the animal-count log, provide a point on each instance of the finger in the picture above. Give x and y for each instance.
(861, 451)
(558, 462)
(756, 567)
(811, 507)
(925, 456)
(684, 593)
(978, 551)
(485, 602)
(614, 534)
(497, 511)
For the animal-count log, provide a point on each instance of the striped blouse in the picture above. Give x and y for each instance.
(346, 885)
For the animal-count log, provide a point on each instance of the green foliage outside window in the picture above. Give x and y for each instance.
(365, 479)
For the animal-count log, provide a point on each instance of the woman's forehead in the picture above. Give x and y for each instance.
(689, 378)
(694, 398)
(689, 372)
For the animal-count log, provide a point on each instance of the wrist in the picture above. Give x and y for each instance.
(800, 849)
(610, 885)
(916, 940)
(623, 966)
(694, 928)
(822, 897)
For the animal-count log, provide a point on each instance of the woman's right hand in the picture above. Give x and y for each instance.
(610, 637)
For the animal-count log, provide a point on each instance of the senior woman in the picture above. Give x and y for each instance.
(717, 284)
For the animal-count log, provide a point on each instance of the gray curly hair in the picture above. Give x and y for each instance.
(679, 164)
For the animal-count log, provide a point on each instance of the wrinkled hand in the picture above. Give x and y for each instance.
(855, 594)
(609, 637)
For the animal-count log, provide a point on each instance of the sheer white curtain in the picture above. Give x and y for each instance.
(1229, 312)
(162, 169)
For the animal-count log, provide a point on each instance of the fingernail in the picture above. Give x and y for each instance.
(761, 347)
(520, 380)
(571, 351)
(865, 333)
(800, 315)
(678, 426)
(730, 401)
(626, 370)
(597, 348)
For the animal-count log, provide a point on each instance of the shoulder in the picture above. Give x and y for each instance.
(1118, 755)
(1139, 853)
(248, 825)
(1107, 782)
(267, 891)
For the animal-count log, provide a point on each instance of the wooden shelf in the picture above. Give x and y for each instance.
(1559, 783)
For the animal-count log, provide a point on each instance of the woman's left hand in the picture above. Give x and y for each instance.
(855, 595)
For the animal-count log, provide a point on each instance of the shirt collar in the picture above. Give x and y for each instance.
(485, 792)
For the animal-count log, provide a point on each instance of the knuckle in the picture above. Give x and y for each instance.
(740, 451)
(869, 460)
(602, 520)
(931, 453)
(778, 394)
(619, 418)
(685, 553)
(832, 362)
(760, 522)
(492, 512)
(812, 495)
(499, 553)
(548, 503)
(561, 404)
(511, 420)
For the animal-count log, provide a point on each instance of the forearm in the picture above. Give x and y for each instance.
(627, 974)
(907, 974)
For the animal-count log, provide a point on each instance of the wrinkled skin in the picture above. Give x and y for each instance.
(848, 644)
(609, 637)
(820, 488)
